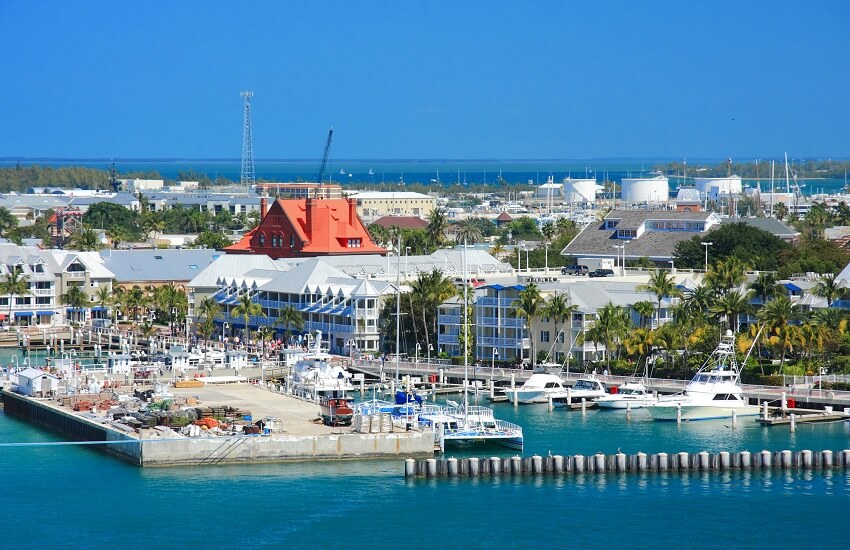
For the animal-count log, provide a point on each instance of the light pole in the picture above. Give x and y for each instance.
(622, 265)
(672, 268)
(406, 255)
(706, 245)
(173, 320)
(351, 350)
(493, 365)
(416, 358)
(430, 349)
(510, 236)
(224, 328)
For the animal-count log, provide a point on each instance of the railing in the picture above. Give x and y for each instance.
(492, 341)
(449, 319)
(76, 274)
(501, 321)
(492, 301)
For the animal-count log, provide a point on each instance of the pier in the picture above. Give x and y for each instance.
(600, 463)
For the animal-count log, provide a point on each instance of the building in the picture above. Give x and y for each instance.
(292, 228)
(156, 267)
(375, 204)
(300, 190)
(402, 222)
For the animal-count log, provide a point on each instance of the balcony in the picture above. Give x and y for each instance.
(492, 301)
(501, 322)
(493, 342)
(449, 319)
(76, 275)
(42, 291)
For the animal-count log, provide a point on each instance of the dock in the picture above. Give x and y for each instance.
(297, 432)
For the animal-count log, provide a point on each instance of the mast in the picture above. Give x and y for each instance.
(397, 305)
(772, 165)
(465, 338)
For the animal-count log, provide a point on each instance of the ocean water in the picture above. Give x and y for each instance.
(59, 497)
(427, 172)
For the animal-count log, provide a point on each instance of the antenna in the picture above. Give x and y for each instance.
(247, 175)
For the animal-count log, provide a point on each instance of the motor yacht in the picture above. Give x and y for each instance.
(714, 392)
(631, 395)
(537, 389)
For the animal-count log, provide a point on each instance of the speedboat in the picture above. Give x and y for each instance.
(587, 388)
(632, 395)
(714, 392)
(537, 389)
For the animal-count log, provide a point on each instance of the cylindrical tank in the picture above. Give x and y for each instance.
(714, 188)
(640, 190)
(583, 190)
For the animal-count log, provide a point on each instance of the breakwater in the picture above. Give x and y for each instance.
(622, 463)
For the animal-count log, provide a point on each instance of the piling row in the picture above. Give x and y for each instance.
(622, 463)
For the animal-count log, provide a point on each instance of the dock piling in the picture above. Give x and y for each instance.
(793, 423)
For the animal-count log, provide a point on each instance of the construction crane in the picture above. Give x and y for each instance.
(325, 156)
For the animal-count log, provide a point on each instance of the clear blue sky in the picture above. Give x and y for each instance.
(454, 79)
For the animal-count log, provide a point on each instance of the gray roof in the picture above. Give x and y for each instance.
(161, 265)
(771, 225)
(594, 241)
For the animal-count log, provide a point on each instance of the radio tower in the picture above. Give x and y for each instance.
(247, 177)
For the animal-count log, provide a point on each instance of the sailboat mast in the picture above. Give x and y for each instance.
(772, 165)
(465, 334)
(397, 304)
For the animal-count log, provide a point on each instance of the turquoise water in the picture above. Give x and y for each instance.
(65, 496)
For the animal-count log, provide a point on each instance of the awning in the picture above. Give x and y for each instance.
(23, 314)
(45, 313)
(100, 308)
(75, 309)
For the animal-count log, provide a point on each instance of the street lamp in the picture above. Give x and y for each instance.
(416, 359)
(493, 365)
(173, 320)
(430, 349)
(622, 266)
(224, 328)
(706, 245)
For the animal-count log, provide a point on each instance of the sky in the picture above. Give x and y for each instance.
(416, 80)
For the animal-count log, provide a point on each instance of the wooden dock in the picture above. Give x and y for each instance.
(803, 416)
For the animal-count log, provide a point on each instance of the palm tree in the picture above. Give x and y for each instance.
(777, 316)
(829, 287)
(614, 322)
(15, 284)
(468, 232)
(85, 239)
(644, 309)
(290, 318)
(765, 286)
(76, 298)
(437, 223)
(661, 284)
(726, 275)
(207, 311)
(780, 211)
(560, 310)
(136, 300)
(8, 221)
(528, 305)
(103, 297)
(730, 306)
(247, 308)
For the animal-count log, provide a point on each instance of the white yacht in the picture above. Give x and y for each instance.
(537, 389)
(587, 388)
(315, 377)
(630, 395)
(461, 425)
(714, 392)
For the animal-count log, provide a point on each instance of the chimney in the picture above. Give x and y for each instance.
(264, 207)
(352, 211)
(309, 216)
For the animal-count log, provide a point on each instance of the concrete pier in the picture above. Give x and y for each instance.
(599, 463)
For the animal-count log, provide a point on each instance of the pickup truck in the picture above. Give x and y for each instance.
(602, 273)
(574, 270)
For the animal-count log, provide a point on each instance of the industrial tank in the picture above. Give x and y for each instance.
(719, 187)
(640, 190)
(581, 190)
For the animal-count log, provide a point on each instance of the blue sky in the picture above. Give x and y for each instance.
(494, 80)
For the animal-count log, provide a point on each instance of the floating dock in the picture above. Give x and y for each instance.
(623, 463)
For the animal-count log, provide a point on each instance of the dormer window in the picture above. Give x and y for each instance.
(354, 243)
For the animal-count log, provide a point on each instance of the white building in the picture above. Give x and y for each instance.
(37, 383)
(645, 190)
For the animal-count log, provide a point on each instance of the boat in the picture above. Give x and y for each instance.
(336, 411)
(537, 389)
(587, 388)
(714, 392)
(315, 377)
(631, 395)
(464, 425)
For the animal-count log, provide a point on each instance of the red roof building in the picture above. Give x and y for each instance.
(297, 228)
(402, 222)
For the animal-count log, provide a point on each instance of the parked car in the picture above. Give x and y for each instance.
(602, 273)
(574, 270)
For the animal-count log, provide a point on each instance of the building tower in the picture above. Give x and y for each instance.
(247, 175)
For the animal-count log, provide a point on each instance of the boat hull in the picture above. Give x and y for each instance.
(669, 412)
(624, 403)
(526, 397)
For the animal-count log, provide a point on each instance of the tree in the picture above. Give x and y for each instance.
(207, 311)
(247, 308)
(765, 286)
(290, 318)
(212, 240)
(436, 231)
(76, 298)
(111, 216)
(15, 284)
(528, 305)
(752, 246)
(644, 309)
(778, 315)
(560, 310)
(614, 323)
(467, 232)
(730, 306)
(8, 221)
(661, 284)
(104, 297)
(830, 288)
(427, 292)
(87, 238)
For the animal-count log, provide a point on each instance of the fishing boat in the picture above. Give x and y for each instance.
(714, 392)
(631, 395)
(587, 388)
(336, 411)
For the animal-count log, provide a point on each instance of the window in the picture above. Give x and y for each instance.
(43, 300)
(561, 338)
(354, 243)
(262, 239)
(544, 335)
(292, 241)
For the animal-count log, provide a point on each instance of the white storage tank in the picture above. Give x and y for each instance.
(641, 190)
(581, 190)
(719, 187)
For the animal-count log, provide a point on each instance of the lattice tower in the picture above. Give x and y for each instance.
(247, 175)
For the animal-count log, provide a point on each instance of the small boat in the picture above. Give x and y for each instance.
(463, 426)
(714, 392)
(537, 389)
(632, 395)
(314, 376)
(336, 411)
(587, 388)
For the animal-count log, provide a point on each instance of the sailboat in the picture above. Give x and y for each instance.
(371, 172)
(464, 425)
